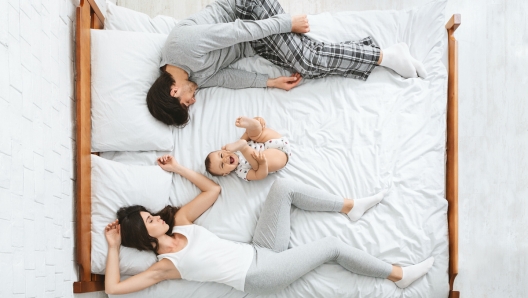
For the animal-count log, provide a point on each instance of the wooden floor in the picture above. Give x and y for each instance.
(493, 132)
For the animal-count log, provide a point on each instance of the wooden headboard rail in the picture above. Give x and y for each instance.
(90, 17)
(452, 152)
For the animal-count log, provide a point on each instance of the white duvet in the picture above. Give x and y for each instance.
(349, 137)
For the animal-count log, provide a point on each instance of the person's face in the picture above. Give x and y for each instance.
(223, 162)
(155, 225)
(185, 93)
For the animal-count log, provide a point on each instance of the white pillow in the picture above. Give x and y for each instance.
(124, 66)
(116, 185)
(125, 19)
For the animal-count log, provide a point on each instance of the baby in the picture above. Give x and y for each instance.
(259, 151)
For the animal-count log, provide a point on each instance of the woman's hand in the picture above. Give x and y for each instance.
(113, 234)
(300, 24)
(235, 146)
(285, 83)
(168, 163)
(260, 157)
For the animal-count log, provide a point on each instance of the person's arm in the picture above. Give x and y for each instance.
(239, 79)
(242, 146)
(262, 171)
(248, 153)
(205, 38)
(210, 191)
(160, 271)
(285, 83)
(236, 79)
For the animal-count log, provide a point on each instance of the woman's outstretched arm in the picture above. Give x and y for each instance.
(210, 191)
(160, 271)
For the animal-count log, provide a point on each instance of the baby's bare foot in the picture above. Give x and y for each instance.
(262, 121)
(246, 122)
(235, 146)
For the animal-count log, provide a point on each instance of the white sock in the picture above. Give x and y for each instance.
(364, 204)
(398, 58)
(420, 68)
(412, 273)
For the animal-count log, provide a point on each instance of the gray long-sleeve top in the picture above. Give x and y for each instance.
(206, 43)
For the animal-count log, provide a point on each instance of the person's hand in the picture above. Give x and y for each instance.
(259, 157)
(168, 163)
(285, 83)
(113, 234)
(300, 24)
(235, 146)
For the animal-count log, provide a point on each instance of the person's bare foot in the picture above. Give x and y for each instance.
(261, 120)
(235, 146)
(245, 122)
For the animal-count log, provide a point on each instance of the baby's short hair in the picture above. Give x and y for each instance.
(208, 164)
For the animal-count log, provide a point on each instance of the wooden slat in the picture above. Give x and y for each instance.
(88, 286)
(452, 152)
(86, 14)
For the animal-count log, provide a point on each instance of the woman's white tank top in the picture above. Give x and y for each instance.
(206, 257)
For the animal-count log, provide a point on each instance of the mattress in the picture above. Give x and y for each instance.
(349, 137)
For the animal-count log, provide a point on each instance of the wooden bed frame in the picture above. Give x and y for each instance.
(90, 17)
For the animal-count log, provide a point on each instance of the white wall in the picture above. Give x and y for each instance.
(37, 142)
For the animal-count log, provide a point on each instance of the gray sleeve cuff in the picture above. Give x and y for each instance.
(285, 22)
(261, 80)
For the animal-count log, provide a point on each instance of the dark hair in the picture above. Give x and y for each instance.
(133, 230)
(163, 106)
(208, 165)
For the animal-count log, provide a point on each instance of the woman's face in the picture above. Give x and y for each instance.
(156, 227)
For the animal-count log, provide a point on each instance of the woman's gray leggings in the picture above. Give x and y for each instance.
(275, 266)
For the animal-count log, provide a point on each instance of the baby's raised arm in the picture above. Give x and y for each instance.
(262, 171)
(242, 146)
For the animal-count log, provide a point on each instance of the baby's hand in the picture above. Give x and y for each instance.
(235, 146)
(168, 163)
(260, 157)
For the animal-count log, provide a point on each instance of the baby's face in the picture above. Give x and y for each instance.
(223, 162)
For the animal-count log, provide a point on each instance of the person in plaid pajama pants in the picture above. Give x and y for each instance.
(199, 50)
(314, 59)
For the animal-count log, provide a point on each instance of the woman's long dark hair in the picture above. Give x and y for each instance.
(163, 106)
(133, 230)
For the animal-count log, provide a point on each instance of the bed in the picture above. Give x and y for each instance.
(349, 137)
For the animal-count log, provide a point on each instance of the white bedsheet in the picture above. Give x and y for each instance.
(349, 137)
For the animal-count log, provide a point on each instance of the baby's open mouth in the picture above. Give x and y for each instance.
(231, 160)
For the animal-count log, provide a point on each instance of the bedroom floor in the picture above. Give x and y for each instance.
(37, 108)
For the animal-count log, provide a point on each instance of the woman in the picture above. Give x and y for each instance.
(199, 50)
(187, 251)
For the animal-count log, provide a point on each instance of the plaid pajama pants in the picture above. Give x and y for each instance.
(311, 58)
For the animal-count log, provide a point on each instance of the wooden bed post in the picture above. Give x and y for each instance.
(452, 152)
(88, 16)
